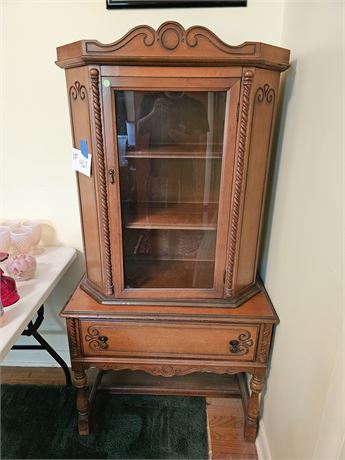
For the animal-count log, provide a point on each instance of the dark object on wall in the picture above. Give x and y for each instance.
(111, 4)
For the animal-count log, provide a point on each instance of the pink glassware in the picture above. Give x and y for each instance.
(21, 239)
(8, 290)
(11, 223)
(36, 229)
(5, 238)
(22, 267)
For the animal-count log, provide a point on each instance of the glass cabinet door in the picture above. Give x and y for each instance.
(170, 147)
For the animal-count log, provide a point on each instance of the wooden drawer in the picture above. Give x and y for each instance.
(172, 340)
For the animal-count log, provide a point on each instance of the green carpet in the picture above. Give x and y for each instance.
(40, 422)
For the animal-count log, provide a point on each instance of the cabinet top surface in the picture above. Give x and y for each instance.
(257, 309)
(172, 45)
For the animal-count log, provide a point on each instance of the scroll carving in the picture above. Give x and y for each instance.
(172, 36)
(238, 183)
(169, 370)
(77, 90)
(94, 74)
(92, 338)
(245, 342)
(144, 33)
(194, 34)
(265, 93)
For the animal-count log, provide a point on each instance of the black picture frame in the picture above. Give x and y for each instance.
(117, 4)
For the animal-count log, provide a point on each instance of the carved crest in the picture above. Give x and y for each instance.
(171, 36)
(171, 43)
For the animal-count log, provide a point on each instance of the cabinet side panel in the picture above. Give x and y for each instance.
(79, 99)
(264, 93)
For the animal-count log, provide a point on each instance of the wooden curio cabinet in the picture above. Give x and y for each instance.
(179, 126)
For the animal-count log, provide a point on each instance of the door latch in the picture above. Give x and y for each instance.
(111, 173)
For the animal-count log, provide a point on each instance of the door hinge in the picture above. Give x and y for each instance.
(238, 111)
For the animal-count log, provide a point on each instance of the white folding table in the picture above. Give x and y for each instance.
(52, 264)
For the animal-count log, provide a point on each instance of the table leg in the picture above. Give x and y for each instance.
(253, 408)
(52, 352)
(31, 330)
(80, 381)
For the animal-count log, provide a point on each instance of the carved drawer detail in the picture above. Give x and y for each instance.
(174, 340)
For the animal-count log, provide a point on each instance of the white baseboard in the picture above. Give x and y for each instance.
(262, 445)
(34, 358)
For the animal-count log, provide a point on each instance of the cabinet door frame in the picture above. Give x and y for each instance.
(169, 79)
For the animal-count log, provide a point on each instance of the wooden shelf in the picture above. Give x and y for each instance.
(182, 216)
(173, 245)
(136, 382)
(183, 151)
(169, 274)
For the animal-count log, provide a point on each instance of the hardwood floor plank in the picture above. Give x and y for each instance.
(226, 420)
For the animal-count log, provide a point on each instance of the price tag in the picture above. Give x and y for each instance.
(80, 163)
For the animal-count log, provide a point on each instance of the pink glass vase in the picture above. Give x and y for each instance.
(8, 290)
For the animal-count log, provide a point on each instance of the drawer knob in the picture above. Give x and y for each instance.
(103, 339)
(234, 346)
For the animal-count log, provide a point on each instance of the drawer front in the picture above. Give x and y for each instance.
(160, 340)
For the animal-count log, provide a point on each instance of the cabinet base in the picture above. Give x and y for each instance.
(241, 297)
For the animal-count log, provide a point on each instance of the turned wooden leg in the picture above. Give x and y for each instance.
(253, 408)
(80, 381)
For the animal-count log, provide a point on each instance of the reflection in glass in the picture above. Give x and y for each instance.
(170, 149)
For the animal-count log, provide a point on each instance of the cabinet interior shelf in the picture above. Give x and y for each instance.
(143, 245)
(182, 216)
(173, 274)
(175, 152)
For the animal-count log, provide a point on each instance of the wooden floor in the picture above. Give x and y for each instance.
(224, 415)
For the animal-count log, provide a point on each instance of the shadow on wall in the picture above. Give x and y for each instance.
(62, 293)
(48, 237)
(286, 89)
(65, 288)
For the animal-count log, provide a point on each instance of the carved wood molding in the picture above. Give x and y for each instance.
(265, 93)
(265, 343)
(169, 370)
(94, 75)
(244, 343)
(77, 90)
(95, 340)
(73, 337)
(171, 36)
(171, 43)
(238, 183)
(80, 379)
(253, 410)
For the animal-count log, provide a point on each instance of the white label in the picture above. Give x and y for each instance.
(80, 163)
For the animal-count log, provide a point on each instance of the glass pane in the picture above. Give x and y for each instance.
(170, 148)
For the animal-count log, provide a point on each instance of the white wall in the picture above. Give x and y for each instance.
(302, 263)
